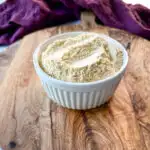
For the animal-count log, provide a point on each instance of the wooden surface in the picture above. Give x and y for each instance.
(33, 122)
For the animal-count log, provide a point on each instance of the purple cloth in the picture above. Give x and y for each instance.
(116, 13)
(20, 17)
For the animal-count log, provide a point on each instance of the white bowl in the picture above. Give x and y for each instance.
(79, 95)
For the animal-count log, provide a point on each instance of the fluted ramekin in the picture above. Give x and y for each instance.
(79, 95)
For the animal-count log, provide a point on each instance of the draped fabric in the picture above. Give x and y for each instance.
(20, 17)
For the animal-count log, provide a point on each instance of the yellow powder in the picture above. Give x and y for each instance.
(83, 58)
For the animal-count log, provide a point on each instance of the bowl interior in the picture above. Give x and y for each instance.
(44, 45)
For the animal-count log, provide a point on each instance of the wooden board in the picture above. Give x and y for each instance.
(6, 57)
(33, 122)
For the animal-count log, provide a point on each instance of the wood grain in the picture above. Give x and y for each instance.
(34, 122)
(6, 57)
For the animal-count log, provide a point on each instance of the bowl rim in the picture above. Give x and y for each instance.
(48, 77)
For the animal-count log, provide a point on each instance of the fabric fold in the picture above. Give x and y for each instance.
(20, 17)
